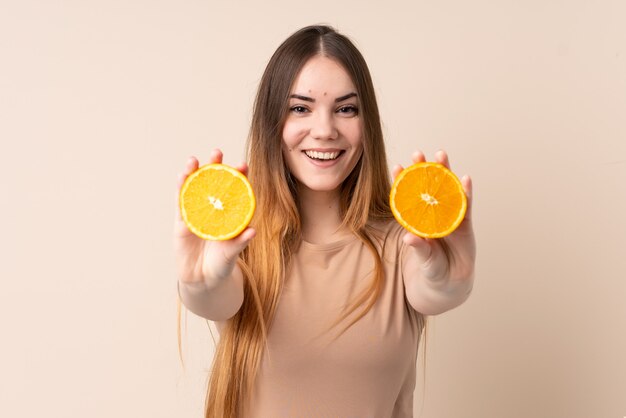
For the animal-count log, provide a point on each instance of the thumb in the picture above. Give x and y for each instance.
(220, 257)
(421, 247)
(235, 246)
(428, 254)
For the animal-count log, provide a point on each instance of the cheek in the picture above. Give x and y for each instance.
(358, 134)
(353, 132)
(292, 133)
(289, 153)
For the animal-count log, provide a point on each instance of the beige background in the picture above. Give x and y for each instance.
(102, 101)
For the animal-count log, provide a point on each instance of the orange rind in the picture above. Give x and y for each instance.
(217, 202)
(428, 200)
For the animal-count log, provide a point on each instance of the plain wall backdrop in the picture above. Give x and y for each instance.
(101, 102)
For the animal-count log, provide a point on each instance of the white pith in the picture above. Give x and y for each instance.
(430, 200)
(322, 155)
(217, 204)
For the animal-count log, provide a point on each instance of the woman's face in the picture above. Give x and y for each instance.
(322, 136)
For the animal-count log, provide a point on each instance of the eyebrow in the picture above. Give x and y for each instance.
(312, 100)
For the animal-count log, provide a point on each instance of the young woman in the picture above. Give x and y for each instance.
(321, 302)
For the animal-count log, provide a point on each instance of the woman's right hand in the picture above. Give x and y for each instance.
(201, 261)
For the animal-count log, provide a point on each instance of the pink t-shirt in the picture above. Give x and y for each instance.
(370, 370)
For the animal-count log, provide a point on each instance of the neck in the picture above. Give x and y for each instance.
(319, 214)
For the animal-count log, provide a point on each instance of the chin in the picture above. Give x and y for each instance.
(321, 186)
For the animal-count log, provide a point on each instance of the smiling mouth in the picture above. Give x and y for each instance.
(323, 156)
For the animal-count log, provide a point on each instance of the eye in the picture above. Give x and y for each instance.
(348, 110)
(298, 109)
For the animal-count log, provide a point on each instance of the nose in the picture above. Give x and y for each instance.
(323, 126)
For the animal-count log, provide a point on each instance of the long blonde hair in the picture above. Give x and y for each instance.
(364, 200)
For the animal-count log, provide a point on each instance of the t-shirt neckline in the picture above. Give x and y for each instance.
(329, 245)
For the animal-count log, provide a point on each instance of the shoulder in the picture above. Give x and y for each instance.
(387, 228)
(388, 235)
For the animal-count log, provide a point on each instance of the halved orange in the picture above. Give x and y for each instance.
(428, 200)
(217, 202)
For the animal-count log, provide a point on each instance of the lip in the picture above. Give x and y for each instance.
(324, 149)
(324, 163)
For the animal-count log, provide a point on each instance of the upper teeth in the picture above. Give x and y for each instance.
(322, 155)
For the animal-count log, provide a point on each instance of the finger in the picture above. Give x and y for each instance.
(246, 236)
(429, 255)
(235, 246)
(243, 168)
(216, 156)
(178, 216)
(442, 158)
(420, 245)
(466, 182)
(418, 157)
(179, 182)
(397, 169)
(190, 167)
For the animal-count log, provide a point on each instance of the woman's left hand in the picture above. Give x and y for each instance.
(449, 273)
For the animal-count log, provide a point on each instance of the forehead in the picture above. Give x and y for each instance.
(321, 75)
